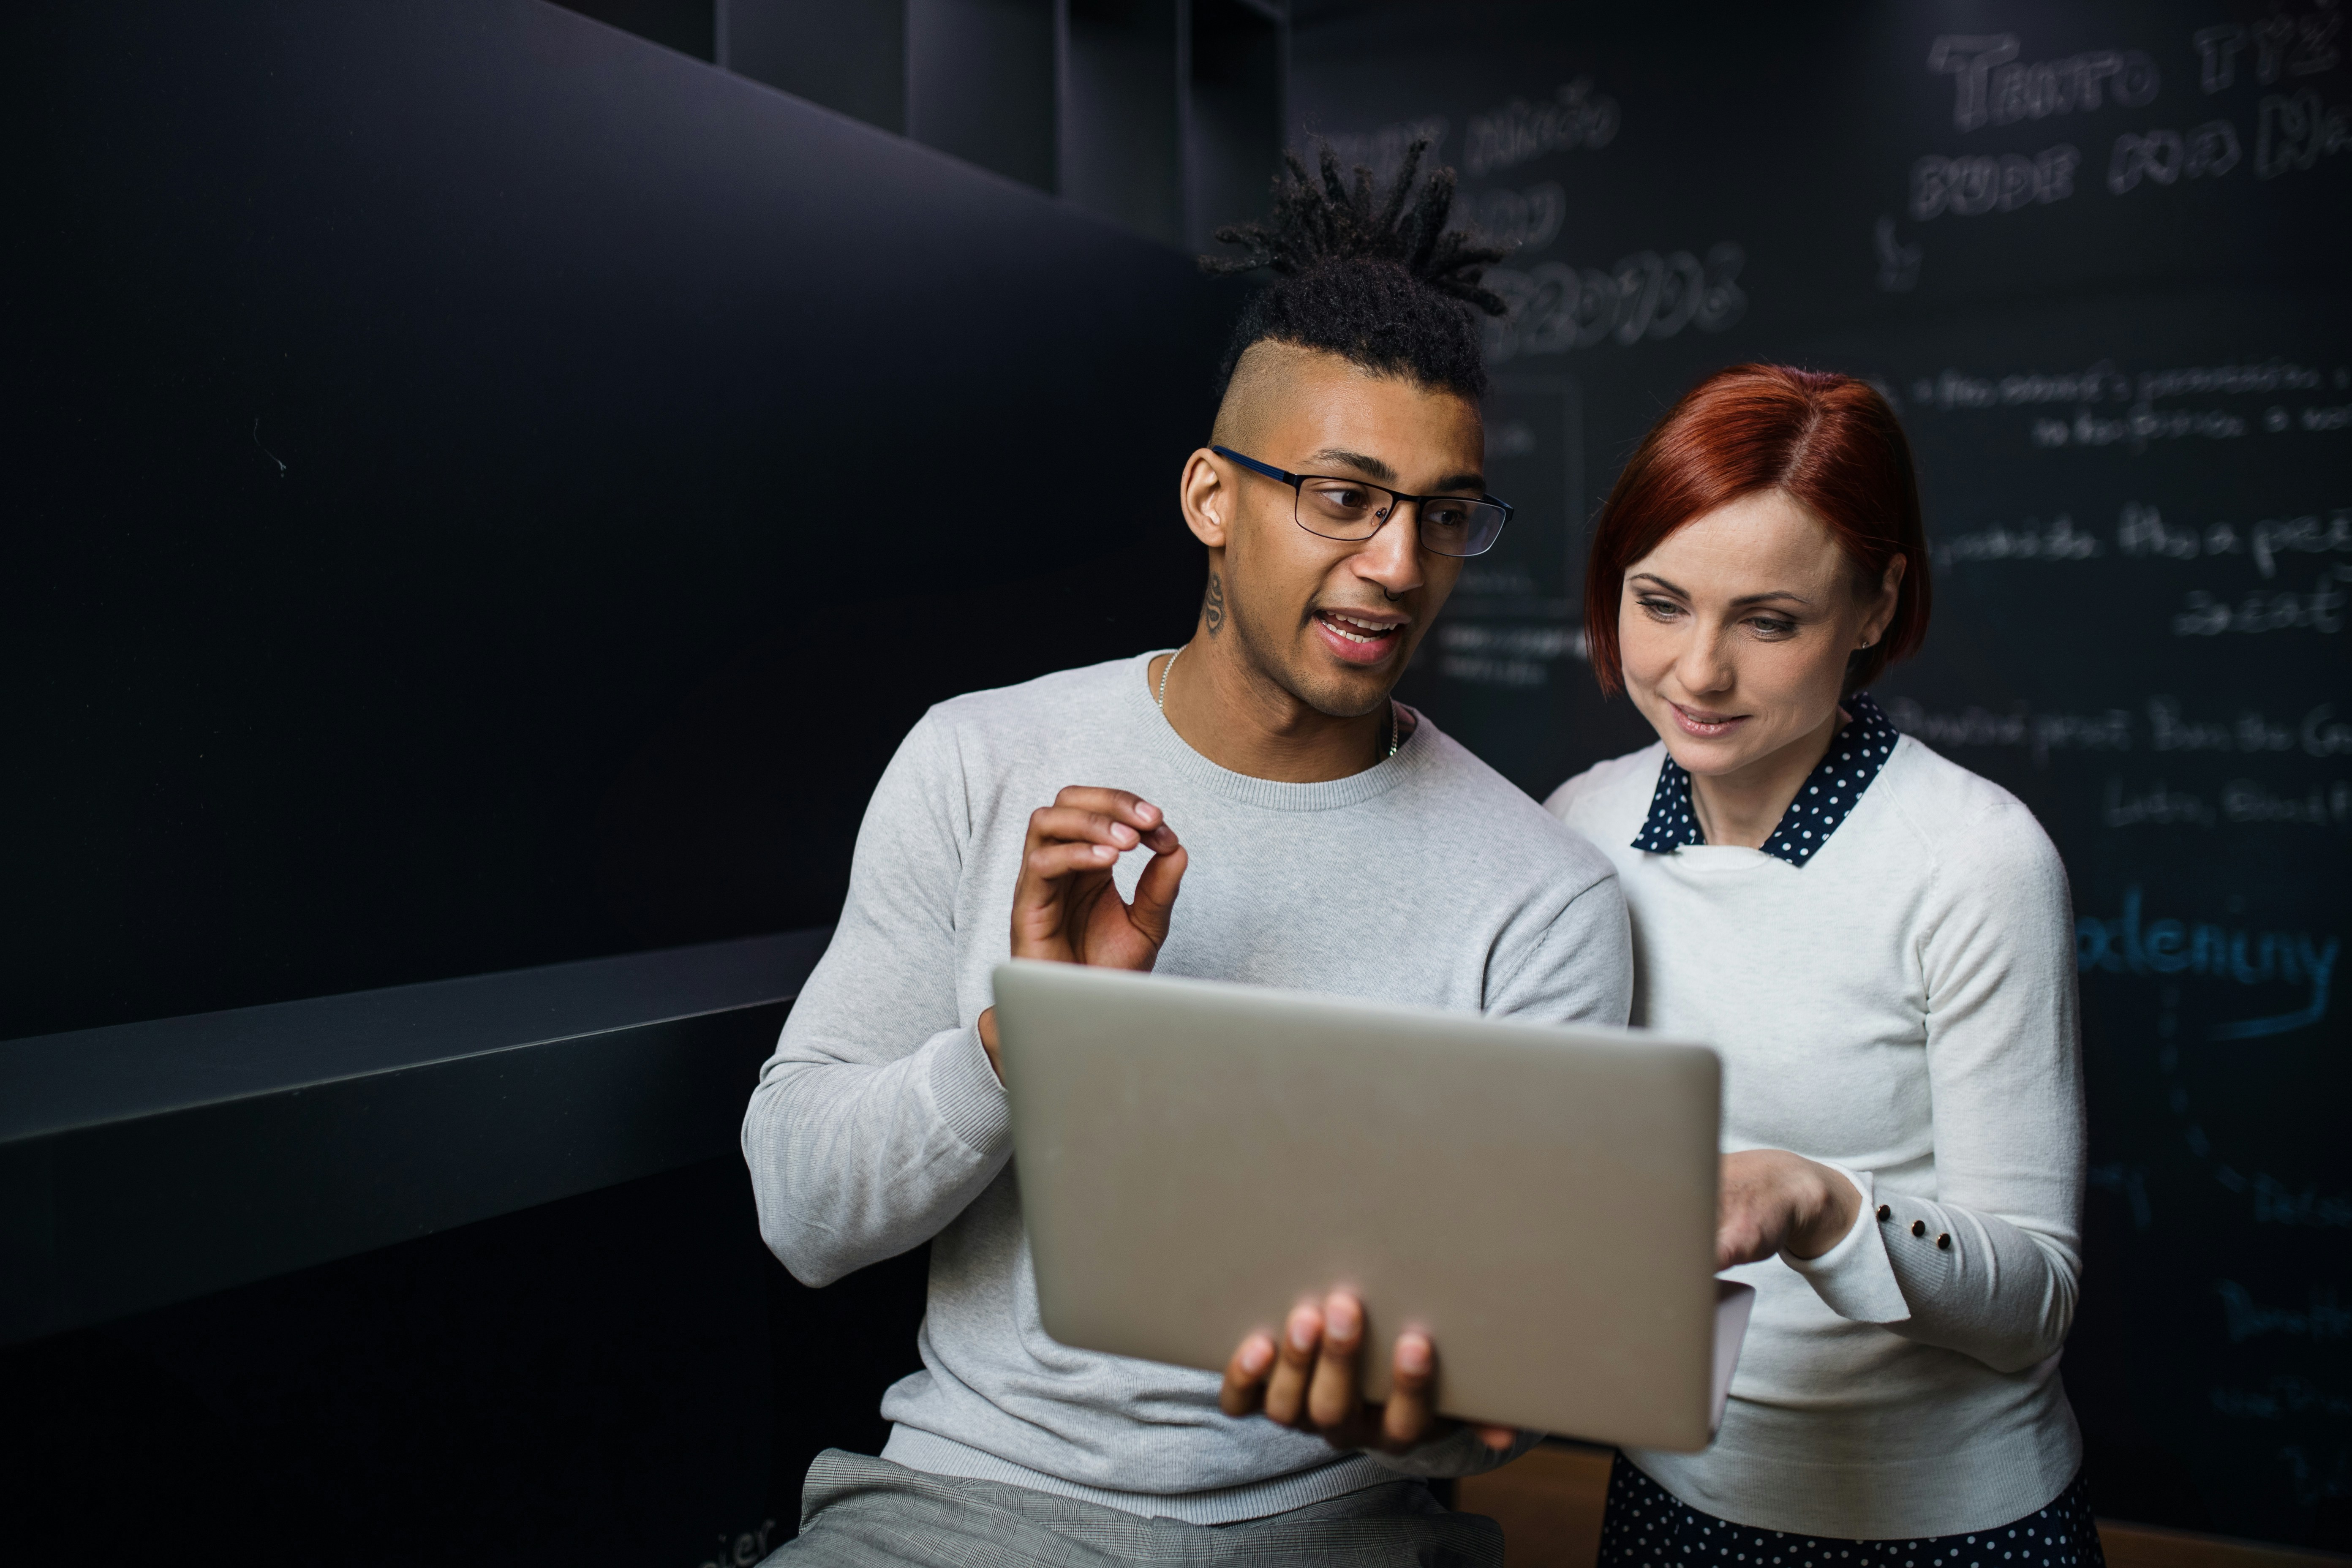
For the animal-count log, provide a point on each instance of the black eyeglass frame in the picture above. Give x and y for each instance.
(1396, 498)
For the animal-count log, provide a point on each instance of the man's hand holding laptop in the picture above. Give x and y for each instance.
(1311, 1382)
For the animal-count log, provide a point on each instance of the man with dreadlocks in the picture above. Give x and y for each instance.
(1323, 837)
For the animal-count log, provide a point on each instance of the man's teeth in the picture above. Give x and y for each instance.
(1372, 631)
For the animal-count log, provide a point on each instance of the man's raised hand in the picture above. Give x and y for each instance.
(1065, 906)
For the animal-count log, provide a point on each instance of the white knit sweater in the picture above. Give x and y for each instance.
(1902, 1007)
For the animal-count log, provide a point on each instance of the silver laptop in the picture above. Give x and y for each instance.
(1195, 1158)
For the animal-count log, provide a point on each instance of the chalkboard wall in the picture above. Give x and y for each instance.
(2094, 254)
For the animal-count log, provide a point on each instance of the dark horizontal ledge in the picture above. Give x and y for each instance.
(145, 1164)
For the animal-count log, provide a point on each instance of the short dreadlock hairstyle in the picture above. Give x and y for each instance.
(1375, 278)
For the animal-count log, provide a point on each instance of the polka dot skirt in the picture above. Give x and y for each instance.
(1823, 801)
(1647, 1526)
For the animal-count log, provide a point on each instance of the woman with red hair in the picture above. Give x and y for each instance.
(1880, 943)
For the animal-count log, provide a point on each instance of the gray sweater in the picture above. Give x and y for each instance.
(879, 1125)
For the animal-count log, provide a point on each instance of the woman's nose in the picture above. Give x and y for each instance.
(1704, 666)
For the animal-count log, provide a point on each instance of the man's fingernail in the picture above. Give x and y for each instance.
(1146, 810)
(1412, 1354)
(1258, 1354)
(1342, 1318)
(1302, 1330)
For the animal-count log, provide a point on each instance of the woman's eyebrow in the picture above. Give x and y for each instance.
(1743, 599)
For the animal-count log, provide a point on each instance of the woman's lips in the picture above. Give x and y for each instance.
(1706, 726)
(1358, 641)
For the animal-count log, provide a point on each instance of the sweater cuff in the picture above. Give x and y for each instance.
(1855, 1278)
(966, 1092)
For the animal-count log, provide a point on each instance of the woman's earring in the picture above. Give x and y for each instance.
(1865, 642)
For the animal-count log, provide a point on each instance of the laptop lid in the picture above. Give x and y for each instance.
(1196, 1157)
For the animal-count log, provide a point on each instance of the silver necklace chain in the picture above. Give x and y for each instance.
(1394, 740)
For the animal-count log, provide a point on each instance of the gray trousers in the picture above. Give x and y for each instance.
(857, 1511)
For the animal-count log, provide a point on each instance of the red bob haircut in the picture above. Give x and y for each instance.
(1828, 441)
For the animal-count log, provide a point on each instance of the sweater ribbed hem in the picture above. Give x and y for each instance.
(1412, 759)
(1973, 1480)
(920, 1450)
(967, 1093)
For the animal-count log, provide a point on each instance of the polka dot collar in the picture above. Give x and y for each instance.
(1854, 757)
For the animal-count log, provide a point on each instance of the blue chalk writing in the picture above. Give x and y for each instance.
(2127, 944)
(2131, 1180)
(2275, 1203)
(2286, 1395)
(2247, 1318)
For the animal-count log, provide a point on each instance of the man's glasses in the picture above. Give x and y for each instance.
(1353, 510)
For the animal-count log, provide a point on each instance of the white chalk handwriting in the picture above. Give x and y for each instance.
(2223, 380)
(1898, 264)
(1382, 151)
(2245, 803)
(2319, 610)
(1574, 116)
(2284, 45)
(1952, 389)
(1555, 307)
(1513, 580)
(743, 1550)
(2322, 734)
(1515, 220)
(1511, 656)
(2141, 531)
(1993, 87)
(2037, 734)
(2200, 152)
(2156, 806)
(1972, 185)
(2319, 732)
(2027, 541)
(2295, 131)
(2137, 428)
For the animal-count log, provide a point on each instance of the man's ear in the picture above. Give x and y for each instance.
(1207, 498)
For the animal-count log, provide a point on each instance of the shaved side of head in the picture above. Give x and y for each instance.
(1257, 385)
(1268, 373)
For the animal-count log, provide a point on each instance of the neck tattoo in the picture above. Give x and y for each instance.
(1160, 701)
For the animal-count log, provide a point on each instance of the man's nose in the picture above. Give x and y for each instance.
(1392, 558)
